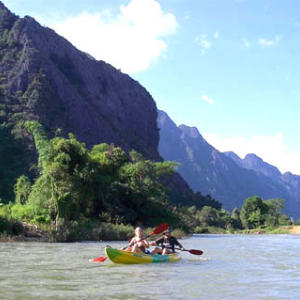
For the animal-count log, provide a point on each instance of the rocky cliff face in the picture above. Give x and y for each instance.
(44, 77)
(225, 176)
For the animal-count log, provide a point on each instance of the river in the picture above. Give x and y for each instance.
(233, 267)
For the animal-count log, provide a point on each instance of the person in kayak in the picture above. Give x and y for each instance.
(137, 243)
(167, 243)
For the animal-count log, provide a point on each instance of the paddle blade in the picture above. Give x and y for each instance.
(160, 229)
(100, 259)
(196, 252)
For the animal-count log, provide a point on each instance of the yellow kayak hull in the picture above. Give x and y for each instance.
(124, 257)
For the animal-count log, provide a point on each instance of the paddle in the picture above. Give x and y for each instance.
(192, 251)
(158, 230)
(100, 259)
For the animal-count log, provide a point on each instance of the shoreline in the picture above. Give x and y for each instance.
(43, 238)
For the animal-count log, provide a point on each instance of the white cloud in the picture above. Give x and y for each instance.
(271, 149)
(265, 42)
(217, 35)
(132, 41)
(207, 99)
(203, 42)
(246, 42)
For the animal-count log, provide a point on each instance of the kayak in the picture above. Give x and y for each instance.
(124, 257)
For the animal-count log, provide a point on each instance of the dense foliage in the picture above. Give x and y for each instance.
(102, 183)
(85, 194)
(78, 184)
(11, 162)
(257, 213)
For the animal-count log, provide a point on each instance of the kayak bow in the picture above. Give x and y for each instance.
(124, 257)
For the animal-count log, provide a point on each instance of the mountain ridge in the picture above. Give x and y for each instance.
(225, 176)
(254, 162)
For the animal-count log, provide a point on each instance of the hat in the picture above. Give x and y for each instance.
(168, 231)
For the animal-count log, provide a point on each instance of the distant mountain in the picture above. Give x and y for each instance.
(252, 162)
(292, 183)
(255, 163)
(224, 176)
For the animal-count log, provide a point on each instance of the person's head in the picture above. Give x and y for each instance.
(138, 232)
(167, 233)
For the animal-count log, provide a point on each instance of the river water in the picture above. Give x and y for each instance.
(233, 267)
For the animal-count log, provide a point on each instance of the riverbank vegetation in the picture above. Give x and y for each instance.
(100, 194)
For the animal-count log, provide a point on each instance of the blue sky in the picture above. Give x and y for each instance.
(228, 67)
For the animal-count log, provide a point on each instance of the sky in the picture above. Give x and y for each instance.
(231, 68)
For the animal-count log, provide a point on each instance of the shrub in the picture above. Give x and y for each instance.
(4, 226)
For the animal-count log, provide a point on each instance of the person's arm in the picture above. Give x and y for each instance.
(178, 244)
(146, 243)
(130, 244)
(159, 241)
(153, 243)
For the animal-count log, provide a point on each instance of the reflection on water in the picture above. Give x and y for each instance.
(233, 267)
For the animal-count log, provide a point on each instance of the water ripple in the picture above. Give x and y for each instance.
(233, 267)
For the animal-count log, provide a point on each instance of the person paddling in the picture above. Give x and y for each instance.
(138, 243)
(167, 243)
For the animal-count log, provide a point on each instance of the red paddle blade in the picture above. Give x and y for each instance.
(196, 252)
(100, 259)
(160, 229)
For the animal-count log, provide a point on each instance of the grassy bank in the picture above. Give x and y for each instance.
(67, 231)
(96, 231)
(73, 231)
(271, 230)
(268, 230)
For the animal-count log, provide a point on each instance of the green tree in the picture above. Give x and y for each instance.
(253, 212)
(102, 183)
(224, 219)
(141, 179)
(22, 189)
(187, 217)
(275, 208)
(297, 222)
(105, 180)
(208, 216)
(284, 220)
(236, 218)
(42, 144)
(62, 187)
(12, 162)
